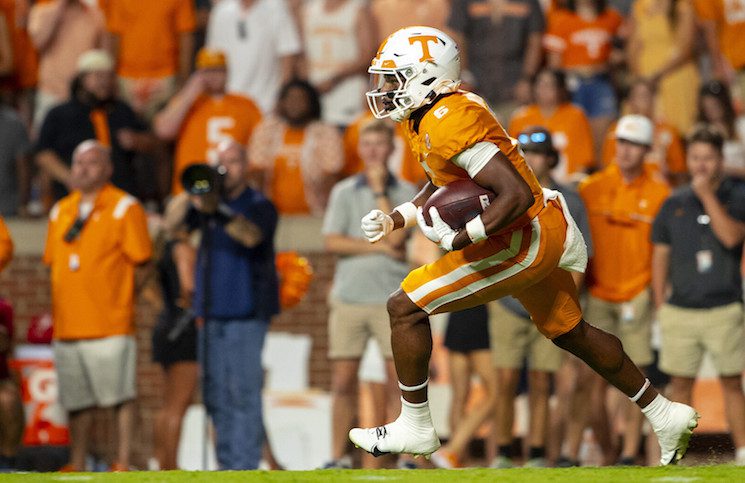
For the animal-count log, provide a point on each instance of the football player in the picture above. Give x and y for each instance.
(524, 244)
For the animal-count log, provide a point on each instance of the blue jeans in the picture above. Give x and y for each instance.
(596, 96)
(232, 378)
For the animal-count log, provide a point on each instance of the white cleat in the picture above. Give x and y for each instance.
(397, 437)
(674, 432)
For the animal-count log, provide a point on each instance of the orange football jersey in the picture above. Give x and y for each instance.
(581, 42)
(210, 121)
(455, 123)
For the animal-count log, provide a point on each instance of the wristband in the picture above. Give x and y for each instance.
(476, 230)
(408, 212)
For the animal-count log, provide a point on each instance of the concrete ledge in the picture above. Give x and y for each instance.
(301, 233)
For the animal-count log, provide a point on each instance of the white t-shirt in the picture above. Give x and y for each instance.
(254, 41)
(331, 44)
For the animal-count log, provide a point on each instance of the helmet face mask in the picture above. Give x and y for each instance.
(412, 67)
(388, 96)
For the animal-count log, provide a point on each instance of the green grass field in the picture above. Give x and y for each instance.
(682, 474)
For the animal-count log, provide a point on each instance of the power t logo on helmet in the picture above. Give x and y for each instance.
(413, 66)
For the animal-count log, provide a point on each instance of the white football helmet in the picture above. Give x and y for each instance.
(412, 67)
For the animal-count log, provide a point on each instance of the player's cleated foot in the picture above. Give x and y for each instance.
(673, 424)
(536, 463)
(396, 437)
(564, 462)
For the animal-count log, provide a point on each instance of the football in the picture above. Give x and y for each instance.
(458, 202)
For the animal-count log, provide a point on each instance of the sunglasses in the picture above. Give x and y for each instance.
(534, 138)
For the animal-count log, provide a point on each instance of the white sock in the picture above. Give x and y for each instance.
(416, 414)
(656, 410)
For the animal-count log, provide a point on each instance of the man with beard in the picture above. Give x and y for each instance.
(93, 112)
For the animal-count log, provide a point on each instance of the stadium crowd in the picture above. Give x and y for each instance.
(635, 109)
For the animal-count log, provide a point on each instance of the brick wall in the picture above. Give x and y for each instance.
(25, 282)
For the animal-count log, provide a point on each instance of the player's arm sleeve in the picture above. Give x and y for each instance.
(460, 134)
(473, 159)
(660, 228)
(136, 243)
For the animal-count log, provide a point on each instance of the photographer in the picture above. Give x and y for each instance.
(236, 294)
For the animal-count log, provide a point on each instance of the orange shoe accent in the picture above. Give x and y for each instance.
(118, 467)
(68, 468)
(453, 459)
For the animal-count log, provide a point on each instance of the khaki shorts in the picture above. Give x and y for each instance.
(514, 338)
(688, 333)
(629, 321)
(350, 325)
(96, 372)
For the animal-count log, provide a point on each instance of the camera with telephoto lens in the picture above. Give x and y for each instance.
(202, 179)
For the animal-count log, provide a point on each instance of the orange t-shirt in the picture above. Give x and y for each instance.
(455, 123)
(401, 162)
(93, 276)
(148, 34)
(210, 121)
(581, 42)
(667, 147)
(729, 17)
(621, 216)
(6, 245)
(287, 187)
(570, 131)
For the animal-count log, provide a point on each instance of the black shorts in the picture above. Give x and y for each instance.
(174, 339)
(468, 330)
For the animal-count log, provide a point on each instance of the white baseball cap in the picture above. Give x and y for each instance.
(636, 129)
(95, 60)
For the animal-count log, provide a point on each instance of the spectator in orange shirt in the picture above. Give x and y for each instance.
(203, 114)
(153, 44)
(97, 236)
(401, 162)
(11, 409)
(61, 30)
(723, 23)
(579, 39)
(622, 201)
(667, 153)
(569, 127)
(296, 157)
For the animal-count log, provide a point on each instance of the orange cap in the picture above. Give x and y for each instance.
(210, 59)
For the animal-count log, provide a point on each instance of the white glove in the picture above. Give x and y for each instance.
(440, 232)
(376, 225)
